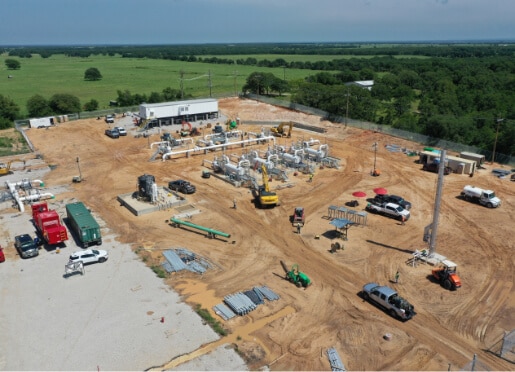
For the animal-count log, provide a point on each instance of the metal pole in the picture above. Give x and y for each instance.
(78, 166)
(375, 157)
(499, 121)
(436, 212)
(347, 111)
(210, 85)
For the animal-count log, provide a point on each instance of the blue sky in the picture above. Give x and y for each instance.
(79, 22)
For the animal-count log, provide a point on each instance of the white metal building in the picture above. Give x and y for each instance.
(167, 113)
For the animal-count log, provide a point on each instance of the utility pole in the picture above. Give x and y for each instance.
(436, 212)
(209, 82)
(347, 112)
(499, 121)
(182, 83)
(235, 73)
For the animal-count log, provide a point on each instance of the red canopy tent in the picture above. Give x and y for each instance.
(380, 191)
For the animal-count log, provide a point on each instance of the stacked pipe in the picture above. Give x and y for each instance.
(240, 303)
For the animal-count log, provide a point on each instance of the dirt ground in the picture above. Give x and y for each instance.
(294, 332)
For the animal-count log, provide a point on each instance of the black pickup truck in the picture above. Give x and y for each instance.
(183, 186)
(399, 200)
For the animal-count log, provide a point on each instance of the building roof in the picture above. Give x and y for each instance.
(447, 157)
(179, 103)
(366, 84)
(341, 222)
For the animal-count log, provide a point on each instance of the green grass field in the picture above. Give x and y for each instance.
(61, 74)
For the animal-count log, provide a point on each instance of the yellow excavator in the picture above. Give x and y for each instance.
(5, 168)
(267, 198)
(279, 131)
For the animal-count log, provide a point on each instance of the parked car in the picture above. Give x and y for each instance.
(121, 131)
(182, 186)
(433, 167)
(393, 199)
(109, 119)
(89, 256)
(26, 246)
(113, 133)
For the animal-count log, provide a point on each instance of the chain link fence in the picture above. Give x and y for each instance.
(415, 137)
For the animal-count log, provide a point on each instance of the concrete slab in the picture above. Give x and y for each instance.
(166, 199)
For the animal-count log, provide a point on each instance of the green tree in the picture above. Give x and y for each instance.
(92, 74)
(38, 106)
(64, 103)
(155, 97)
(125, 98)
(260, 83)
(92, 105)
(12, 64)
(170, 94)
(279, 85)
(8, 112)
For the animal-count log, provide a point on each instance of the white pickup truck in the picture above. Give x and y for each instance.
(388, 299)
(388, 209)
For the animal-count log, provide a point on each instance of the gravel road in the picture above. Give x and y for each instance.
(117, 316)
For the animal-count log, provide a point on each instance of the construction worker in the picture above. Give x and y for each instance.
(403, 220)
(298, 228)
(311, 177)
(234, 203)
(397, 274)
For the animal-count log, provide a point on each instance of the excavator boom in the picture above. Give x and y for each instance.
(267, 197)
(5, 168)
(279, 130)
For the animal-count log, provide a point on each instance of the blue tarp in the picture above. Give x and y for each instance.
(341, 222)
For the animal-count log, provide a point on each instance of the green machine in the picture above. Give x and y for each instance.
(296, 276)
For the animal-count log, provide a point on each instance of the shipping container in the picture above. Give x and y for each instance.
(82, 223)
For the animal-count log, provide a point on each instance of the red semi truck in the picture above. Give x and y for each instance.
(49, 224)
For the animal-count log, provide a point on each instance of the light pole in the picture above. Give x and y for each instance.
(347, 111)
(499, 121)
(79, 179)
(375, 172)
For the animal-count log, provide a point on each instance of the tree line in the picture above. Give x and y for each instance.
(458, 93)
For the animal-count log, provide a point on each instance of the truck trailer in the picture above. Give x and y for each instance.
(83, 224)
(48, 224)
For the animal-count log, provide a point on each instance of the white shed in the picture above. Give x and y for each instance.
(41, 122)
(175, 112)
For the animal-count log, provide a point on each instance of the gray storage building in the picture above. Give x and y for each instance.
(458, 165)
(478, 158)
